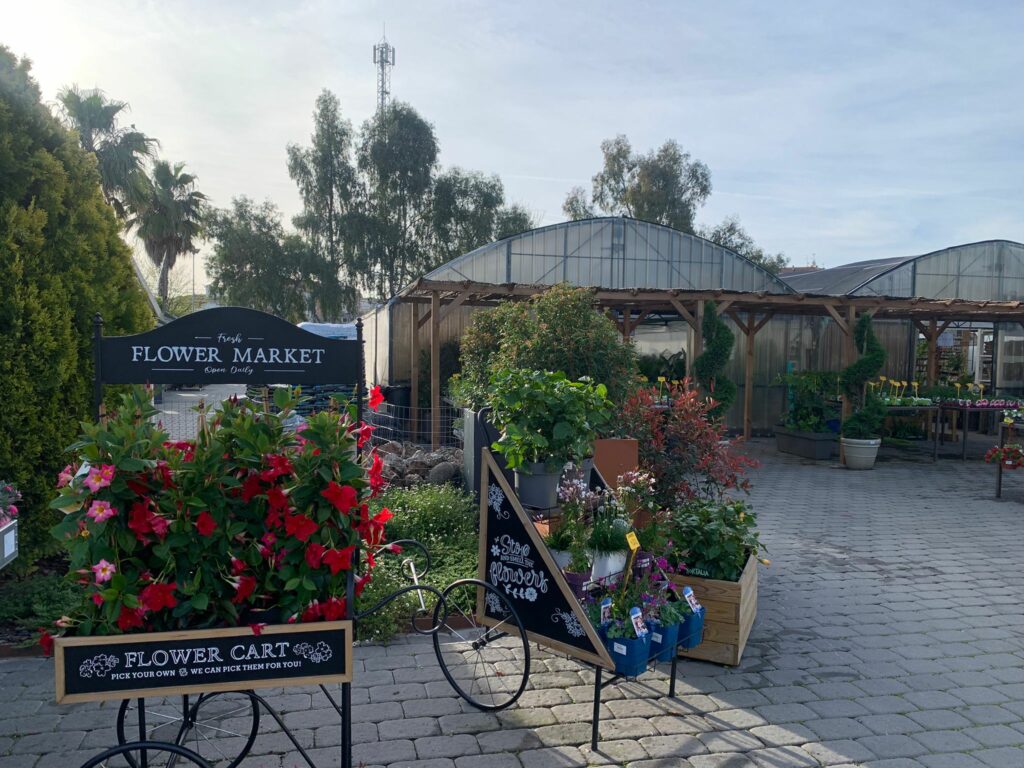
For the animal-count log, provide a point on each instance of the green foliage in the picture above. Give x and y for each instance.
(869, 412)
(35, 601)
(670, 367)
(256, 264)
(62, 261)
(715, 539)
(665, 186)
(431, 514)
(708, 367)
(608, 534)
(451, 364)
(730, 234)
(808, 395)
(558, 330)
(545, 417)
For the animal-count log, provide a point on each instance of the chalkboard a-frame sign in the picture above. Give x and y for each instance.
(201, 661)
(515, 559)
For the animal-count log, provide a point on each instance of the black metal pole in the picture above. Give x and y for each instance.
(97, 381)
(675, 663)
(143, 755)
(361, 381)
(597, 708)
(346, 688)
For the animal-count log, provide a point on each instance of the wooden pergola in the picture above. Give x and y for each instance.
(750, 311)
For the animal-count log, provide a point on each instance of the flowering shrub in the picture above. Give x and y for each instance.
(715, 538)
(1011, 455)
(250, 515)
(683, 446)
(9, 498)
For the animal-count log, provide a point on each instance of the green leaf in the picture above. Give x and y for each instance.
(200, 601)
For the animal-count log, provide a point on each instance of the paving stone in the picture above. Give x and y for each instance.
(552, 757)
(995, 735)
(785, 713)
(783, 735)
(382, 752)
(893, 746)
(408, 728)
(950, 760)
(938, 719)
(435, 762)
(476, 722)
(838, 728)
(883, 724)
(721, 760)
(838, 752)
(494, 760)
(509, 740)
(615, 752)
(431, 707)
(673, 746)
(446, 746)
(777, 757)
(1001, 757)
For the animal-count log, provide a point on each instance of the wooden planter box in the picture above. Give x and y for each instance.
(201, 661)
(731, 608)
(809, 445)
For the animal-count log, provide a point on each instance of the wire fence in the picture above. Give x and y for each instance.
(396, 422)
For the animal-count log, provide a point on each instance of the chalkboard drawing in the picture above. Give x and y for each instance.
(495, 497)
(495, 606)
(514, 560)
(571, 621)
(98, 666)
(316, 654)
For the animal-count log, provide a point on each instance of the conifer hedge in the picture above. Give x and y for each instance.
(61, 261)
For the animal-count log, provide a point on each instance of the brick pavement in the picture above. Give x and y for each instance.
(889, 635)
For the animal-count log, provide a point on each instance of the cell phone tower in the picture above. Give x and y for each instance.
(384, 58)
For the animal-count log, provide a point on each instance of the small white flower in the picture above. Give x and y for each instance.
(530, 594)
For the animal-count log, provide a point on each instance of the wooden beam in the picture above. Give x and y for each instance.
(839, 319)
(435, 370)
(414, 375)
(748, 377)
(426, 318)
(763, 321)
(698, 337)
(933, 338)
(849, 355)
(454, 304)
(721, 306)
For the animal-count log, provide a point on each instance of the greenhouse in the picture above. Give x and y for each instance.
(655, 281)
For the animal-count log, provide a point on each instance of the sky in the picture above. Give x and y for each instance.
(835, 131)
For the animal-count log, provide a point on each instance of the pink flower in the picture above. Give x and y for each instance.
(99, 478)
(104, 571)
(100, 511)
(66, 476)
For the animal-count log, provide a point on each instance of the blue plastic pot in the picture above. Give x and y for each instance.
(629, 654)
(663, 641)
(691, 633)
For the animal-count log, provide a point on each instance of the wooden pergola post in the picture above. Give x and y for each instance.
(414, 368)
(435, 369)
(698, 335)
(931, 334)
(750, 327)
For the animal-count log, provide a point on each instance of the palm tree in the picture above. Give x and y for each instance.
(169, 218)
(120, 152)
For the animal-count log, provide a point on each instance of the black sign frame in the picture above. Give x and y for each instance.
(497, 517)
(92, 668)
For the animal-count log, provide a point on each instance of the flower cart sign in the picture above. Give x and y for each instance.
(8, 542)
(201, 661)
(515, 559)
(228, 345)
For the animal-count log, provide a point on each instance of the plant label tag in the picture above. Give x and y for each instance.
(655, 637)
(691, 599)
(619, 648)
(637, 616)
(633, 541)
(606, 610)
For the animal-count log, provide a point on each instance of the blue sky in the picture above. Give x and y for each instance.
(835, 130)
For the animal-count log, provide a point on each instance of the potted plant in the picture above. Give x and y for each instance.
(607, 543)
(577, 572)
(720, 545)
(861, 430)
(665, 638)
(560, 541)
(545, 420)
(629, 651)
(811, 421)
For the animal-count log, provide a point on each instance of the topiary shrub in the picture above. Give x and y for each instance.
(558, 330)
(708, 367)
(865, 423)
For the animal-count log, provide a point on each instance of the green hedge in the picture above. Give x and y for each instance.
(62, 260)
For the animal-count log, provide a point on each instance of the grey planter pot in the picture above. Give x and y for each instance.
(477, 433)
(538, 488)
(809, 445)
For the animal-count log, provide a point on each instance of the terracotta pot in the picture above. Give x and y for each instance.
(616, 456)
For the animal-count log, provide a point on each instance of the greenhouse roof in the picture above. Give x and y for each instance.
(614, 253)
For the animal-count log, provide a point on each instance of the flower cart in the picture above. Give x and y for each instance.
(213, 568)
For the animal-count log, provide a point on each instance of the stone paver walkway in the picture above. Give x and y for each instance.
(890, 634)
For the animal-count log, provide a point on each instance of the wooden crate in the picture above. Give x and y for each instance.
(731, 608)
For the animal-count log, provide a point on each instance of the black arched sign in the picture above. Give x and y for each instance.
(514, 558)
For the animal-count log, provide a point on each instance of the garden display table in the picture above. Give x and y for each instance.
(917, 410)
(966, 410)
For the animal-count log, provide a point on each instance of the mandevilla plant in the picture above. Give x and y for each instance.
(164, 535)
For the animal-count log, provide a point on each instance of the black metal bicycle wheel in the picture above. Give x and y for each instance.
(487, 665)
(217, 726)
(158, 753)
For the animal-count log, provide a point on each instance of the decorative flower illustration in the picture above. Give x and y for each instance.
(319, 653)
(495, 605)
(530, 594)
(571, 621)
(496, 497)
(98, 665)
(495, 550)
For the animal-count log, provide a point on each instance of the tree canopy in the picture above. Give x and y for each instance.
(62, 261)
(731, 234)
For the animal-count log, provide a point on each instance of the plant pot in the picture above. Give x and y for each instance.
(577, 583)
(860, 454)
(605, 564)
(561, 558)
(729, 611)
(614, 457)
(587, 469)
(691, 632)
(663, 641)
(537, 487)
(642, 564)
(809, 445)
(630, 654)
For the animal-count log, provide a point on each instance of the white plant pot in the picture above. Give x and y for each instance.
(607, 564)
(561, 558)
(860, 454)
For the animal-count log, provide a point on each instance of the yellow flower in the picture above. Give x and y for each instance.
(881, 378)
(85, 533)
(661, 379)
(765, 561)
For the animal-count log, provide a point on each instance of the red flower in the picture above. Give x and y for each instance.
(339, 559)
(342, 497)
(300, 526)
(373, 529)
(138, 520)
(334, 609)
(279, 465)
(257, 629)
(46, 642)
(362, 582)
(314, 555)
(277, 499)
(376, 398)
(246, 586)
(205, 524)
(251, 488)
(156, 597)
(158, 524)
(364, 433)
(97, 599)
(377, 481)
(129, 619)
(311, 612)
